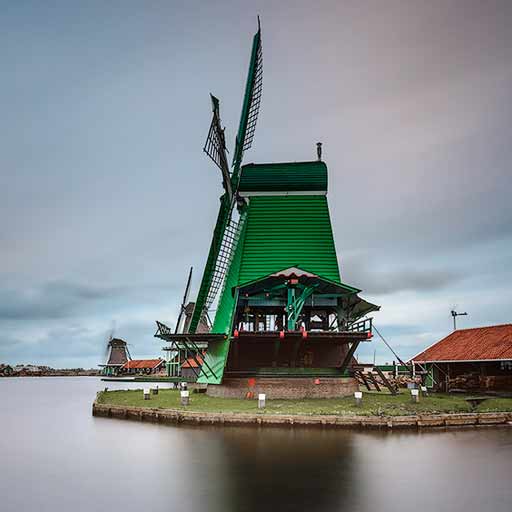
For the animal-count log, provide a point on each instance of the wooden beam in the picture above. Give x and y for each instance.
(386, 382)
(360, 375)
(348, 356)
(193, 357)
(374, 381)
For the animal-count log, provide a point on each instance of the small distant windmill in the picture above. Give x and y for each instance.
(116, 354)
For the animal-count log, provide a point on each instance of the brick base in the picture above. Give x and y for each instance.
(283, 387)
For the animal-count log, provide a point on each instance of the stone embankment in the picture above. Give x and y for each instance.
(176, 416)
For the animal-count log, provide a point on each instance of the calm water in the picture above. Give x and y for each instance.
(54, 456)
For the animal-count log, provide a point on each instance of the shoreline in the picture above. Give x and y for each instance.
(418, 422)
(39, 376)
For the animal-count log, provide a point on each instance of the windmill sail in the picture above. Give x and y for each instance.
(213, 268)
(215, 146)
(184, 301)
(226, 230)
(251, 104)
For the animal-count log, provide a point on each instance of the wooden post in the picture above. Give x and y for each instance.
(348, 356)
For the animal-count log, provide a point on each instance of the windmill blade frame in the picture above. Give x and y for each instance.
(107, 352)
(215, 146)
(184, 301)
(223, 219)
(226, 230)
(108, 346)
(251, 103)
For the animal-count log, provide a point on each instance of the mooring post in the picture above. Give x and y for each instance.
(358, 395)
(261, 400)
(415, 395)
(146, 394)
(185, 398)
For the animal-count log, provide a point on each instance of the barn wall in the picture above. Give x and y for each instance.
(484, 376)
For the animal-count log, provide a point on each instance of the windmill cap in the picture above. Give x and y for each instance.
(307, 178)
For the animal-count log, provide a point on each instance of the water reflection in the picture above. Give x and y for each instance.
(287, 468)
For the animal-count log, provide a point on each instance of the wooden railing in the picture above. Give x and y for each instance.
(361, 326)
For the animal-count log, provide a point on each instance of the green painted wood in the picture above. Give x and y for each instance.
(284, 177)
(287, 231)
(277, 232)
(291, 372)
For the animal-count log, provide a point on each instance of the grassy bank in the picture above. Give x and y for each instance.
(374, 404)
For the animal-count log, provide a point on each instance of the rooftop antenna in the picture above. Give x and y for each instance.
(319, 151)
(455, 315)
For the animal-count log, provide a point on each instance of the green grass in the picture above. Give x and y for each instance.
(374, 404)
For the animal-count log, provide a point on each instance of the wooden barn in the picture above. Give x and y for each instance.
(470, 359)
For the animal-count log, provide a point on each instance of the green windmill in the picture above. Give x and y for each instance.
(283, 312)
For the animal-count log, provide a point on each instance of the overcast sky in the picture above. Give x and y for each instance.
(106, 198)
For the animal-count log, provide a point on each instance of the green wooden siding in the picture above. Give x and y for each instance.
(288, 231)
(284, 177)
(278, 232)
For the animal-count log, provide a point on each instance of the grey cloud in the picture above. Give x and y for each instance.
(61, 299)
(106, 197)
(51, 300)
(58, 346)
(369, 275)
(69, 344)
(381, 283)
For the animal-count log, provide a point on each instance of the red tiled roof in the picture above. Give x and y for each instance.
(142, 364)
(190, 363)
(478, 344)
